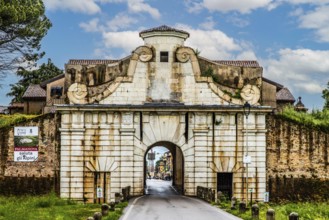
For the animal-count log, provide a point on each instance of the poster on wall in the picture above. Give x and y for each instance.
(26, 144)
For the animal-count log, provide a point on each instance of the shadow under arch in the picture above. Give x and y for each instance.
(178, 164)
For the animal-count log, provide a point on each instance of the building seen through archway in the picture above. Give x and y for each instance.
(165, 162)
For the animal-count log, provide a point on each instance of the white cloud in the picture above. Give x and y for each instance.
(138, 6)
(245, 6)
(213, 44)
(82, 6)
(247, 55)
(193, 7)
(313, 2)
(238, 21)
(125, 40)
(302, 70)
(121, 21)
(208, 24)
(92, 26)
(318, 20)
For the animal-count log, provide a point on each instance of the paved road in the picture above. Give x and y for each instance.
(162, 202)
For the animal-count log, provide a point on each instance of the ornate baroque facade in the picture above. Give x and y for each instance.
(163, 94)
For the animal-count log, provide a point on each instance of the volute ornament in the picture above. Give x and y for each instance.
(144, 53)
(183, 54)
(77, 93)
(251, 94)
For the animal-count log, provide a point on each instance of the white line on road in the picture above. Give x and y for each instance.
(174, 189)
(130, 208)
(228, 215)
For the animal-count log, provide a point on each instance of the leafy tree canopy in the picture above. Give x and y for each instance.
(44, 72)
(325, 95)
(23, 24)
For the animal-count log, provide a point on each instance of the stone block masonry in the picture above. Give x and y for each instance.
(297, 161)
(40, 176)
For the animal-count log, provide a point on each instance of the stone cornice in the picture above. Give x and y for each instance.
(162, 107)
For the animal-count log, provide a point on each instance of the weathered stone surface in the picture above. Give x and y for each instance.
(37, 177)
(297, 160)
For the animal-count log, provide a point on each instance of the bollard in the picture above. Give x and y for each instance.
(97, 216)
(242, 207)
(293, 216)
(233, 203)
(270, 214)
(117, 197)
(219, 196)
(255, 211)
(112, 206)
(105, 209)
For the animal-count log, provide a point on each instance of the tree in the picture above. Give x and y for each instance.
(23, 24)
(325, 95)
(44, 72)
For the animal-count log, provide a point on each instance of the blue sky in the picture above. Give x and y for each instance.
(289, 38)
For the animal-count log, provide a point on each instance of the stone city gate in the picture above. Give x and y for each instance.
(162, 94)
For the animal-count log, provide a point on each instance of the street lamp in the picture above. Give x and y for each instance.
(246, 157)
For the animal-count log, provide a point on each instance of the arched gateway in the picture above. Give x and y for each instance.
(162, 93)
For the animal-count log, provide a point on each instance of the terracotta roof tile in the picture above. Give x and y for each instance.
(34, 91)
(241, 63)
(285, 95)
(163, 28)
(91, 62)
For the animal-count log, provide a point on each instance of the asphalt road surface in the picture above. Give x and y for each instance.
(162, 202)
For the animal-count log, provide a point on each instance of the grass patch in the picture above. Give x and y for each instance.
(305, 210)
(8, 120)
(50, 207)
(316, 119)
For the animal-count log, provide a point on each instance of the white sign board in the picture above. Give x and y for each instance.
(247, 159)
(266, 197)
(26, 143)
(99, 192)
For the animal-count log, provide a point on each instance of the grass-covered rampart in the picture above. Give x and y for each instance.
(8, 120)
(315, 120)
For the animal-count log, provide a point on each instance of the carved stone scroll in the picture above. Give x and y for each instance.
(184, 54)
(77, 93)
(144, 53)
(251, 94)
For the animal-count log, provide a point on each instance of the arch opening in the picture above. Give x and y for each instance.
(164, 166)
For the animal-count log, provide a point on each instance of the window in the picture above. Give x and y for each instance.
(56, 91)
(164, 57)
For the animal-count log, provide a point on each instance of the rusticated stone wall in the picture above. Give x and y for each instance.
(297, 161)
(36, 177)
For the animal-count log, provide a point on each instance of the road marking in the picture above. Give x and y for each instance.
(130, 208)
(174, 189)
(228, 215)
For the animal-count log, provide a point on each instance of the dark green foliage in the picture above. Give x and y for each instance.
(44, 72)
(23, 24)
(325, 95)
